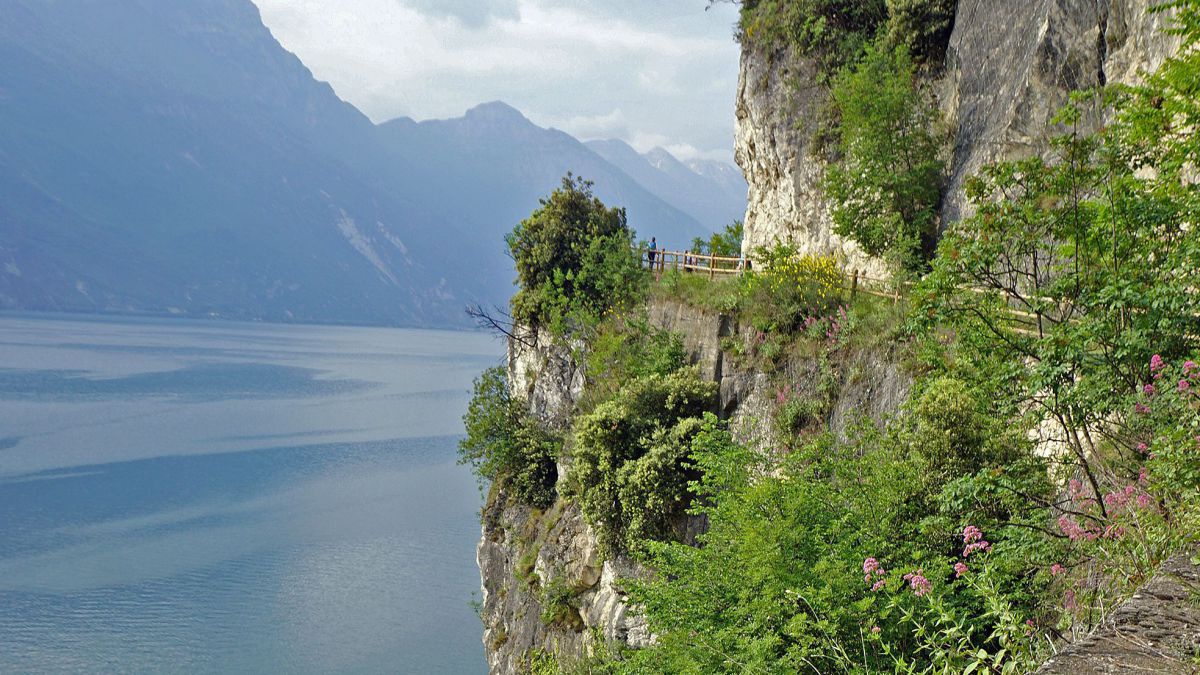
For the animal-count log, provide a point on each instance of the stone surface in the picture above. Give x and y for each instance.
(1155, 631)
(544, 372)
(1009, 68)
(779, 108)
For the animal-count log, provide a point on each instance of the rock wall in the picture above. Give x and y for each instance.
(525, 551)
(1155, 631)
(779, 109)
(1009, 68)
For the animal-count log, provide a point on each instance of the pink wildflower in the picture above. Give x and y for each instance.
(1190, 367)
(1184, 385)
(878, 585)
(1145, 501)
(973, 538)
(1143, 448)
(1070, 527)
(960, 568)
(1141, 409)
(919, 584)
(875, 629)
(1057, 569)
(871, 566)
(1157, 364)
(1148, 390)
(1144, 476)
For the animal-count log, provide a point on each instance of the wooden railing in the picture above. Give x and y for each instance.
(1026, 322)
(703, 263)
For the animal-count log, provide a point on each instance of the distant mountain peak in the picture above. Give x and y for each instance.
(496, 111)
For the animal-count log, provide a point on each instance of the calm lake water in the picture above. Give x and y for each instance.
(213, 497)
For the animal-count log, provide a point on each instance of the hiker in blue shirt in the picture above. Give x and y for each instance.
(651, 253)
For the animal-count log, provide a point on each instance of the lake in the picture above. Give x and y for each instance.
(221, 497)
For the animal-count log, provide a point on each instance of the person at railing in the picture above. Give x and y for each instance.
(688, 261)
(653, 249)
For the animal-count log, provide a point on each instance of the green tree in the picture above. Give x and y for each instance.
(629, 461)
(726, 243)
(886, 186)
(921, 26)
(505, 445)
(575, 259)
(834, 30)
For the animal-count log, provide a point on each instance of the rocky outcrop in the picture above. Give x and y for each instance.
(1009, 68)
(780, 108)
(547, 589)
(1155, 631)
(546, 374)
(532, 561)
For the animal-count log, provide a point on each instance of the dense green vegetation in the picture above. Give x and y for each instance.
(630, 468)
(575, 260)
(1045, 461)
(507, 446)
(836, 31)
(886, 185)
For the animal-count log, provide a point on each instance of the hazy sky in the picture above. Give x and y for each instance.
(651, 72)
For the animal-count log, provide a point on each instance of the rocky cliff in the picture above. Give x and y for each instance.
(547, 589)
(1009, 67)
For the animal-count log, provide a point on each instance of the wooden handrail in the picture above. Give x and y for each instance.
(856, 281)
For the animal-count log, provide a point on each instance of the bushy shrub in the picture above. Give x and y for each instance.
(921, 26)
(624, 349)
(789, 287)
(629, 469)
(575, 259)
(835, 30)
(886, 186)
(505, 445)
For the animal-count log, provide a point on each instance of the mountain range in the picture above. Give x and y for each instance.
(169, 157)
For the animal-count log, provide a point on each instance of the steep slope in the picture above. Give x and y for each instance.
(219, 178)
(1009, 68)
(208, 181)
(710, 192)
(492, 165)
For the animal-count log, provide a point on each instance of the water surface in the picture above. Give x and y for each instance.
(214, 497)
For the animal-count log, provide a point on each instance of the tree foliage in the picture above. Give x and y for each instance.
(505, 445)
(727, 242)
(575, 259)
(629, 466)
(886, 185)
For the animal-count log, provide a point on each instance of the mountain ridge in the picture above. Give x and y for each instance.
(221, 179)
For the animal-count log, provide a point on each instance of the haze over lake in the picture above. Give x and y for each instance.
(216, 497)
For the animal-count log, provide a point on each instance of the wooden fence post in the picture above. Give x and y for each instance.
(712, 260)
(854, 286)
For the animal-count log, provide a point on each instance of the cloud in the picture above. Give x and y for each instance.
(471, 13)
(590, 127)
(624, 68)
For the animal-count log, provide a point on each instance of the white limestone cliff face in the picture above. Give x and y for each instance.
(778, 110)
(1009, 68)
